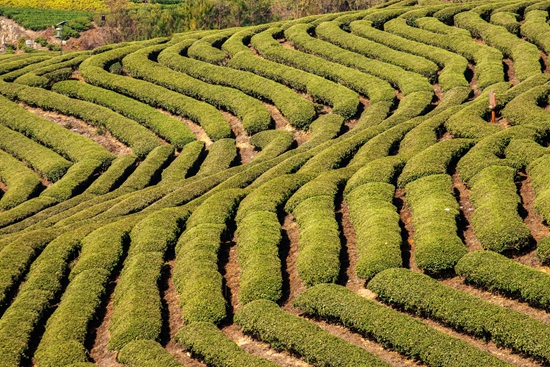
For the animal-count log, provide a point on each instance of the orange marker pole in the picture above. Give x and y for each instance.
(492, 105)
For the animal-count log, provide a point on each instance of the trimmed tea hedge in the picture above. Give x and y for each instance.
(185, 163)
(495, 220)
(220, 155)
(164, 126)
(435, 211)
(536, 30)
(273, 143)
(421, 294)
(146, 353)
(21, 181)
(376, 223)
(493, 271)
(266, 321)
(148, 171)
(117, 172)
(196, 273)
(392, 329)
(208, 342)
(73, 182)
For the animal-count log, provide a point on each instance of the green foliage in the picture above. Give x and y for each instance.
(219, 156)
(22, 182)
(392, 329)
(204, 114)
(283, 330)
(185, 163)
(197, 85)
(25, 210)
(166, 127)
(524, 54)
(375, 88)
(421, 294)
(507, 20)
(149, 170)
(435, 212)
(453, 66)
(343, 101)
(376, 223)
(495, 272)
(39, 19)
(271, 143)
(146, 353)
(61, 140)
(117, 172)
(536, 30)
(196, 273)
(78, 176)
(204, 339)
(496, 221)
(434, 160)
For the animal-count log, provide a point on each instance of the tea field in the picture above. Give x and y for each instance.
(325, 191)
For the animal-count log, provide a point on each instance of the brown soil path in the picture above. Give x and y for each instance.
(510, 71)
(348, 238)
(242, 140)
(196, 129)
(290, 250)
(281, 123)
(473, 81)
(407, 230)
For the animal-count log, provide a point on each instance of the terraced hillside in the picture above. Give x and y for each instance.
(328, 191)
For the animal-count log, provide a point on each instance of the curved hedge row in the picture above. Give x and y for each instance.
(392, 329)
(488, 60)
(196, 272)
(319, 243)
(185, 163)
(452, 66)
(188, 78)
(43, 283)
(272, 143)
(374, 88)
(536, 30)
(220, 155)
(67, 328)
(525, 55)
(496, 272)
(164, 126)
(137, 308)
(60, 140)
(331, 31)
(437, 247)
(149, 170)
(434, 160)
(421, 294)
(22, 182)
(495, 220)
(92, 70)
(78, 176)
(376, 223)
(266, 321)
(208, 342)
(298, 110)
(117, 172)
(146, 353)
(258, 238)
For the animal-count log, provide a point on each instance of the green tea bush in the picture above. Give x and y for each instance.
(149, 170)
(21, 181)
(434, 160)
(525, 108)
(539, 174)
(166, 127)
(536, 30)
(376, 223)
(488, 60)
(137, 137)
(92, 70)
(42, 285)
(453, 66)
(219, 156)
(496, 272)
(435, 212)
(384, 169)
(60, 140)
(319, 242)
(146, 353)
(524, 54)
(374, 88)
(193, 78)
(8, 66)
(117, 172)
(208, 342)
(78, 176)
(392, 329)
(25, 210)
(495, 220)
(67, 328)
(204, 51)
(272, 143)
(283, 330)
(185, 163)
(421, 294)
(196, 274)
(507, 20)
